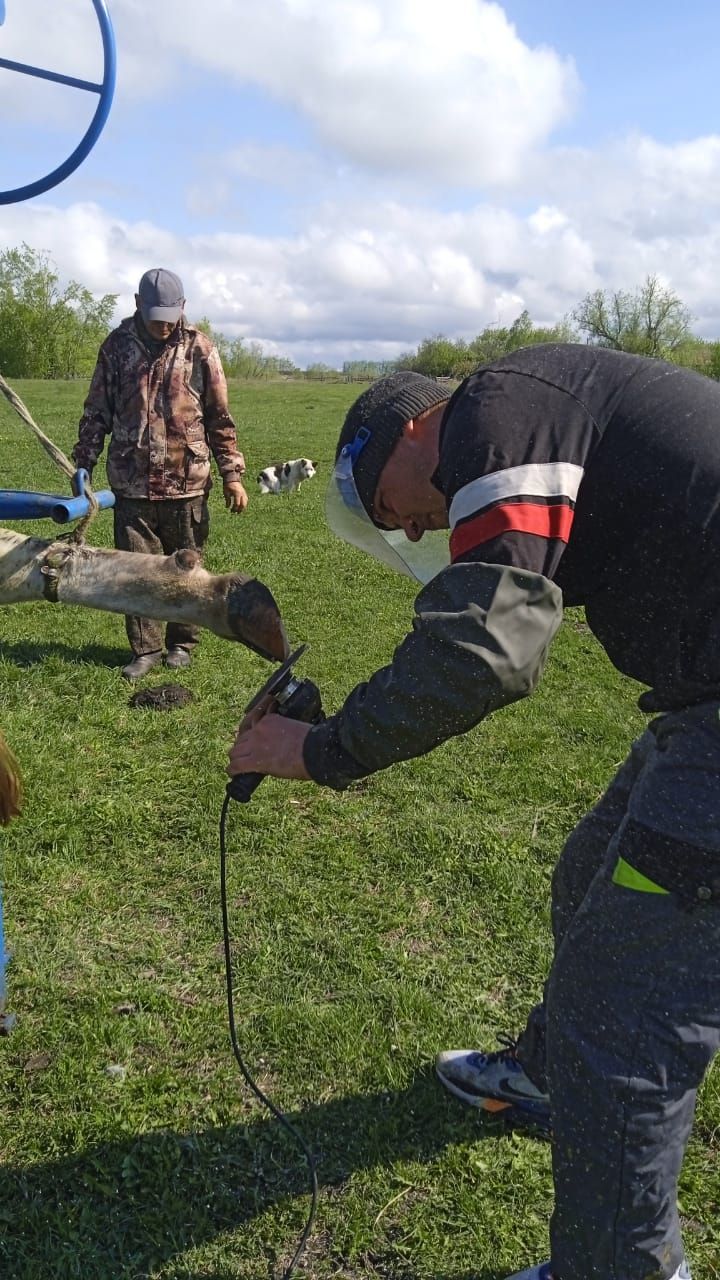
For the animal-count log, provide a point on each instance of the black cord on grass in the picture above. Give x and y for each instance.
(287, 1124)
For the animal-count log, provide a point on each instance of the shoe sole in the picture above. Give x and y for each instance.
(470, 1099)
(512, 1113)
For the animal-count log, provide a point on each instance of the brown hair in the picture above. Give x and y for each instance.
(10, 784)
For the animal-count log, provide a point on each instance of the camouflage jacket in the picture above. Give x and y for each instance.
(164, 414)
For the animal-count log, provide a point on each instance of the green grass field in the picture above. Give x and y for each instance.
(370, 929)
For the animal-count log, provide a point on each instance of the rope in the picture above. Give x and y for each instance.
(57, 455)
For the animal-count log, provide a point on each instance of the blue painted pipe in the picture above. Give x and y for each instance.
(16, 505)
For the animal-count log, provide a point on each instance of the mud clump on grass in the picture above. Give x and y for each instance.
(164, 697)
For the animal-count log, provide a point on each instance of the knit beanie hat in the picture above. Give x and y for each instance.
(383, 410)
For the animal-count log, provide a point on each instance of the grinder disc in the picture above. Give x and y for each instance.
(277, 680)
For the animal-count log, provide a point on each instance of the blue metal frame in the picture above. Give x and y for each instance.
(18, 506)
(105, 90)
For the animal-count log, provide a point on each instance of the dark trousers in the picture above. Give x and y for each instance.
(631, 1016)
(160, 528)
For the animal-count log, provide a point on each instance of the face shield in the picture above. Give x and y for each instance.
(349, 520)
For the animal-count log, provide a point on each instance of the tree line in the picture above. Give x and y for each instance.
(47, 331)
(651, 321)
(242, 359)
(51, 331)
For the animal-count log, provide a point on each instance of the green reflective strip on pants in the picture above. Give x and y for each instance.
(629, 878)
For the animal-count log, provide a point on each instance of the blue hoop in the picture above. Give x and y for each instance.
(97, 124)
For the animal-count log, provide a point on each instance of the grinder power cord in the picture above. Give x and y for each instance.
(298, 700)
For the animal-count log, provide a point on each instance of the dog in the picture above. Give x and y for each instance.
(286, 477)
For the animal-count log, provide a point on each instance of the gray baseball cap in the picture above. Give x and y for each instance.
(161, 296)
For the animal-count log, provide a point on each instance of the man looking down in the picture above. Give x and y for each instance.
(578, 475)
(159, 393)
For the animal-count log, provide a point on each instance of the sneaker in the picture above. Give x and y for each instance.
(495, 1082)
(177, 657)
(543, 1272)
(141, 664)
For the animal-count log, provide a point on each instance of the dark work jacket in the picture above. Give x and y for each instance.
(571, 473)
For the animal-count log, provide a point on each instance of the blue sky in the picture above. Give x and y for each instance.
(337, 180)
(643, 66)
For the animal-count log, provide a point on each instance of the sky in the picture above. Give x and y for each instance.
(339, 179)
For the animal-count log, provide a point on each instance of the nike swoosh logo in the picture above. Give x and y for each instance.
(507, 1086)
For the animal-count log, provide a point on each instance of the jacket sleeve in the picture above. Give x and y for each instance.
(219, 425)
(97, 417)
(480, 637)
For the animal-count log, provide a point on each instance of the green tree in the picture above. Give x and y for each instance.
(699, 354)
(319, 372)
(47, 331)
(241, 361)
(652, 321)
(218, 340)
(439, 357)
(496, 341)
(366, 370)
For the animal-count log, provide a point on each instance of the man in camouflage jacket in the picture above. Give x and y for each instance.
(159, 393)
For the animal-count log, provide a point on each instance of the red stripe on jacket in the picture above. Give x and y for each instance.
(525, 517)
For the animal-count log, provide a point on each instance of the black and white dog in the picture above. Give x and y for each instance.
(286, 477)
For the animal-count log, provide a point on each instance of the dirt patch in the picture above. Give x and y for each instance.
(164, 697)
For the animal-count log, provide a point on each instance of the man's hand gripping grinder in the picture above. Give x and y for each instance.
(296, 699)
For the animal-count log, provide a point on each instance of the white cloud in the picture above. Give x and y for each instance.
(639, 186)
(394, 86)
(406, 94)
(277, 165)
(646, 207)
(369, 276)
(436, 93)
